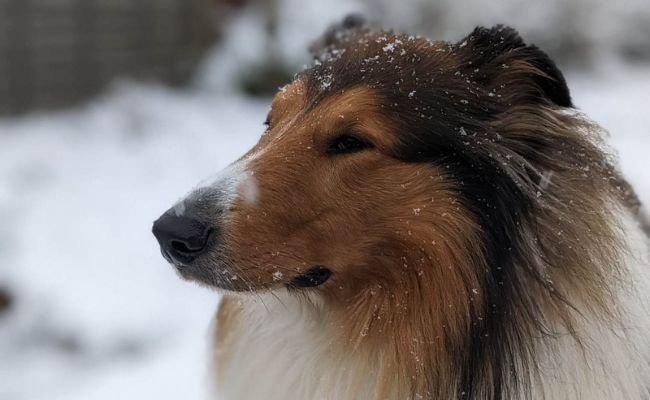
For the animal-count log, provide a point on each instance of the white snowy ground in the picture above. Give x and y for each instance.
(99, 314)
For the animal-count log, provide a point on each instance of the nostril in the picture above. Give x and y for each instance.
(196, 245)
(180, 246)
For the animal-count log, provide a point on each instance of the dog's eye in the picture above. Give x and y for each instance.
(347, 144)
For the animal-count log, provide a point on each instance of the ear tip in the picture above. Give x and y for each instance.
(553, 82)
(485, 45)
(354, 21)
(498, 36)
(337, 33)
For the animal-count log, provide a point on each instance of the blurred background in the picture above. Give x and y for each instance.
(110, 110)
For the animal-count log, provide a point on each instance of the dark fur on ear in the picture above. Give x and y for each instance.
(492, 50)
(336, 34)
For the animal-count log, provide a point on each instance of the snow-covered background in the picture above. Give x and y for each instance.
(97, 313)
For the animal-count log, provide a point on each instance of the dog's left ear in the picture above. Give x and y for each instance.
(336, 34)
(498, 58)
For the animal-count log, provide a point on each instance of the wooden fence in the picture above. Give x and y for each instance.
(55, 53)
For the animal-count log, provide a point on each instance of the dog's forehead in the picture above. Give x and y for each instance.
(288, 100)
(386, 61)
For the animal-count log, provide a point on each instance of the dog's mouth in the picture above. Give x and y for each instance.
(205, 274)
(313, 277)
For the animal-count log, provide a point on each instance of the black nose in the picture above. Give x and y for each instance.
(181, 239)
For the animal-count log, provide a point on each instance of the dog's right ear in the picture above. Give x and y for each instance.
(500, 56)
(336, 35)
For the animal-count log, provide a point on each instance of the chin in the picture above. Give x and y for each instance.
(422, 220)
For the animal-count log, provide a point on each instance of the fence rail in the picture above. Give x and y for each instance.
(55, 53)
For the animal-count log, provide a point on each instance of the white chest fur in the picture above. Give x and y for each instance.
(283, 350)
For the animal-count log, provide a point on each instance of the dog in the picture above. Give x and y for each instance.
(422, 220)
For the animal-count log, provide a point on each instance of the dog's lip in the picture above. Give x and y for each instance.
(179, 264)
(313, 277)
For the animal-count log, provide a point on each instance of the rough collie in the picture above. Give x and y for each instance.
(422, 220)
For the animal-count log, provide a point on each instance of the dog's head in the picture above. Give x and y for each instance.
(391, 156)
(445, 193)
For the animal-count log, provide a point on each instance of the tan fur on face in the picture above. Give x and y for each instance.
(305, 196)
